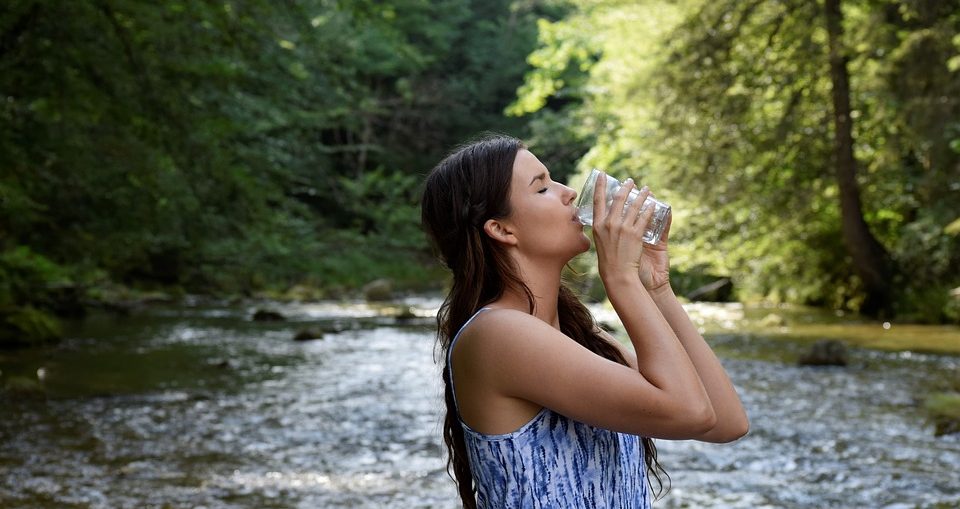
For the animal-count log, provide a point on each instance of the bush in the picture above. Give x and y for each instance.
(28, 277)
(27, 326)
(32, 289)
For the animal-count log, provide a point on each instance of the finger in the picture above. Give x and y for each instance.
(644, 217)
(636, 207)
(620, 198)
(599, 199)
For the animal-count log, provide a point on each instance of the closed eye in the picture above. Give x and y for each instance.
(542, 190)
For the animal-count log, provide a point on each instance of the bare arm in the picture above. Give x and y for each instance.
(654, 272)
(660, 355)
(516, 355)
(732, 422)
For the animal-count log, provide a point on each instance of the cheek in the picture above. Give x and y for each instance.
(534, 220)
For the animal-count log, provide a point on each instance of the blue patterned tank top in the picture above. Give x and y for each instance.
(555, 462)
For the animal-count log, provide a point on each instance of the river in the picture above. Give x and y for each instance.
(197, 406)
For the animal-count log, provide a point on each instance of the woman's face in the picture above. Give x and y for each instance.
(543, 216)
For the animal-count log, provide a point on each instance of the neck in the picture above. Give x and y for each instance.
(543, 279)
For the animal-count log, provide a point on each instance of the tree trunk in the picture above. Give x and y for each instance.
(871, 262)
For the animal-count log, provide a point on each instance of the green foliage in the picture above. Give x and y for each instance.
(220, 147)
(25, 275)
(351, 260)
(27, 326)
(724, 109)
(32, 288)
(555, 96)
(559, 67)
(386, 205)
(236, 146)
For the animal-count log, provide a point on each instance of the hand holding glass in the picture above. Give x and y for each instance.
(661, 211)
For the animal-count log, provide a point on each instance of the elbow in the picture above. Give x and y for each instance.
(740, 428)
(729, 431)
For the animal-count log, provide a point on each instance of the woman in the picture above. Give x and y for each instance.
(544, 409)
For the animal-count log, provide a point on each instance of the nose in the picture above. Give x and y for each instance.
(569, 194)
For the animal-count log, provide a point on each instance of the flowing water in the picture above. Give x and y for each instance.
(197, 406)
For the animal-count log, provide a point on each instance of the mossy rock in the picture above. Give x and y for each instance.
(398, 312)
(378, 290)
(28, 326)
(943, 409)
(773, 320)
(23, 386)
(404, 314)
(303, 293)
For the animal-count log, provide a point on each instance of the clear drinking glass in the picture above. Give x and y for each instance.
(661, 211)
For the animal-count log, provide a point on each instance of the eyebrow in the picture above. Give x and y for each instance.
(538, 177)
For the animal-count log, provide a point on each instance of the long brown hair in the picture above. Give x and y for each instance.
(469, 186)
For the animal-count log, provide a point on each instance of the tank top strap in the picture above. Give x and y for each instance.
(450, 356)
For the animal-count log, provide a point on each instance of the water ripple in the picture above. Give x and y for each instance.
(206, 409)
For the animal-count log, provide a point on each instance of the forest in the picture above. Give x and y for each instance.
(151, 150)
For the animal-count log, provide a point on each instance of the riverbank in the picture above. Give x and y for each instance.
(808, 324)
(37, 294)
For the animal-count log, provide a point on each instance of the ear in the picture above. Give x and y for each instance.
(500, 231)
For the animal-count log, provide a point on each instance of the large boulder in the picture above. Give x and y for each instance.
(826, 352)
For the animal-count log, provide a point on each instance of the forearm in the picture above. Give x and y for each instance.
(732, 420)
(661, 358)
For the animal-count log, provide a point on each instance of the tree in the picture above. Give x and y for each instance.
(725, 108)
(871, 262)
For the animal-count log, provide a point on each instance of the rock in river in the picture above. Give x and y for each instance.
(378, 290)
(308, 334)
(267, 315)
(826, 352)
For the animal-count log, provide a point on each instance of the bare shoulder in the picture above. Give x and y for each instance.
(503, 344)
(500, 320)
(509, 332)
(497, 331)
